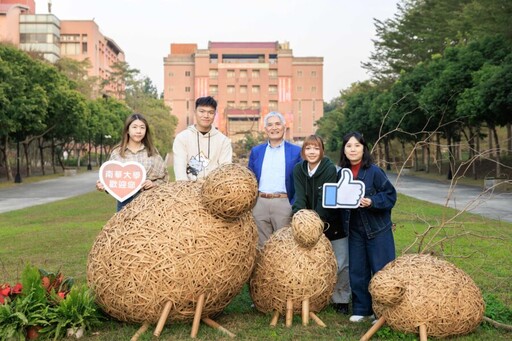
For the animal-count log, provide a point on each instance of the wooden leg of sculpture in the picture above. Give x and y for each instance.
(217, 326)
(197, 316)
(423, 332)
(289, 312)
(275, 318)
(376, 326)
(305, 312)
(141, 331)
(317, 319)
(162, 319)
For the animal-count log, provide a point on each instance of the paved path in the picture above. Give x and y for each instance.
(492, 205)
(469, 198)
(30, 194)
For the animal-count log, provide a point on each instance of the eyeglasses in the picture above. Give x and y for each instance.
(203, 112)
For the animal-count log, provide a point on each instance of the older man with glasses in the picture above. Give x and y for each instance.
(272, 163)
(201, 148)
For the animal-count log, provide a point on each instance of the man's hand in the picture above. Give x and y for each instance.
(347, 193)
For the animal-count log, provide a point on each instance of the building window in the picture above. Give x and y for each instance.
(243, 104)
(84, 37)
(272, 105)
(272, 89)
(299, 73)
(314, 107)
(171, 74)
(231, 104)
(84, 48)
(214, 90)
(255, 89)
(299, 88)
(243, 73)
(187, 89)
(187, 73)
(231, 73)
(255, 74)
(214, 73)
(243, 89)
(313, 89)
(272, 73)
(231, 89)
(300, 106)
(313, 73)
(255, 104)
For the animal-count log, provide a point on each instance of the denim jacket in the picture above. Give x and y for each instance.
(379, 189)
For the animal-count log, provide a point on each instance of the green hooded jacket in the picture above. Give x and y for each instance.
(308, 195)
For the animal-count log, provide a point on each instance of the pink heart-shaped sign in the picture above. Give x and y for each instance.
(122, 179)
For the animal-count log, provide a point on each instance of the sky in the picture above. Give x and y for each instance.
(340, 31)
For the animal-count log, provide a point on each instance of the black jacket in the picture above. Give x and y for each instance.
(308, 194)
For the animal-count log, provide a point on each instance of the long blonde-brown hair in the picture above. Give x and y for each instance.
(147, 140)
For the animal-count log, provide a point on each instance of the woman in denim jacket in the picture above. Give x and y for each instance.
(371, 243)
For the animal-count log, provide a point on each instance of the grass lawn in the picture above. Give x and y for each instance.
(58, 236)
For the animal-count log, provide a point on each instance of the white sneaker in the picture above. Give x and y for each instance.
(361, 318)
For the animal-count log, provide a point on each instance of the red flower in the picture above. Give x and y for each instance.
(5, 289)
(16, 289)
(61, 294)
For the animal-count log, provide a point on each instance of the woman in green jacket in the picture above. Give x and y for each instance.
(309, 176)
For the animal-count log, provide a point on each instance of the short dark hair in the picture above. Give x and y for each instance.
(367, 160)
(207, 101)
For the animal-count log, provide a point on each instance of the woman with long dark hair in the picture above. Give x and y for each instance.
(137, 145)
(370, 237)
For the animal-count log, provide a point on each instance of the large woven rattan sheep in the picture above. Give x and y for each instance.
(181, 251)
(295, 271)
(421, 293)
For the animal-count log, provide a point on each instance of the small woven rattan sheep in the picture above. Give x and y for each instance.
(295, 271)
(180, 251)
(421, 291)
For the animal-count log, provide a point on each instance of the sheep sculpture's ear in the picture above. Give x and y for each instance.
(307, 228)
(229, 191)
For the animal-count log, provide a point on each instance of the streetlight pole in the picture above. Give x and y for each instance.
(17, 178)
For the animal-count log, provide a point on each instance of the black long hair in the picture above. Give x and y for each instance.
(147, 140)
(367, 160)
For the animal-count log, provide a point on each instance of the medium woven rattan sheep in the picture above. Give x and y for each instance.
(295, 271)
(181, 251)
(426, 293)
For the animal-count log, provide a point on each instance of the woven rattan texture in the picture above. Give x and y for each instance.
(422, 289)
(286, 270)
(230, 191)
(166, 246)
(307, 228)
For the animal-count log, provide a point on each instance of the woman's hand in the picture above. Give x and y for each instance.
(148, 184)
(99, 186)
(365, 202)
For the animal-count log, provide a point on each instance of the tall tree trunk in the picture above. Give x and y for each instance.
(490, 137)
(387, 158)
(41, 153)
(509, 138)
(27, 159)
(498, 154)
(439, 155)
(5, 150)
(52, 147)
(451, 159)
(471, 143)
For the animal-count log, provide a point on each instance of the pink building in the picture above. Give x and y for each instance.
(54, 38)
(248, 80)
(81, 39)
